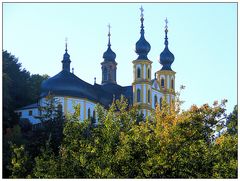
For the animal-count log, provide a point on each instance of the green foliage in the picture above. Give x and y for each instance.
(225, 149)
(169, 144)
(225, 153)
(18, 162)
(52, 124)
(46, 164)
(52, 120)
(232, 122)
(13, 135)
(40, 145)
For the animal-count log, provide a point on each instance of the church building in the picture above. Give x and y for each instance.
(144, 91)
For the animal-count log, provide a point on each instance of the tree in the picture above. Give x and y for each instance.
(225, 153)
(52, 121)
(226, 150)
(39, 146)
(232, 122)
(35, 81)
(11, 88)
(18, 90)
(167, 144)
(18, 162)
(12, 136)
(46, 166)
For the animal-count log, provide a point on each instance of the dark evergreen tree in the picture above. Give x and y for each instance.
(19, 89)
(232, 121)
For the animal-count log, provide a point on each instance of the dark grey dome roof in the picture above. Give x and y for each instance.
(68, 84)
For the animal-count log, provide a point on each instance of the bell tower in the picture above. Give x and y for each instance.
(166, 76)
(142, 69)
(109, 65)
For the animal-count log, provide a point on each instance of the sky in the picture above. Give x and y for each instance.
(202, 37)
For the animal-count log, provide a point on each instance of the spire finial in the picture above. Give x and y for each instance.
(66, 59)
(142, 46)
(166, 57)
(66, 39)
(142, 19)
(141, 9)
(166, 31)
(166, 26)
(109, 34)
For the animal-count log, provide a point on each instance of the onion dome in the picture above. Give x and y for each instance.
(142, 46)
(66, 60)
(109, 55)
(166, 57)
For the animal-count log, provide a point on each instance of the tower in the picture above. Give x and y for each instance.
(66, 60)
(109, 65)
(166, 76)
(142, 68)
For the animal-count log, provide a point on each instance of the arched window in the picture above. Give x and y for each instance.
(160, 103)
(148, 73)
(138, 72)
(149, 96)
(115, 76)
(172, 84)
(138, 95)
(104, 73)
(162, 82)
(59, 107)
(110, 73)
(89, 113)
(94, 117)
(155, 100)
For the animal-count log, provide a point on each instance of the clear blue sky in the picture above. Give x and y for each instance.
(202, 36)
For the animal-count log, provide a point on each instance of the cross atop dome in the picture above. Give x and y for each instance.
(109, 55)
(166, 21)
(66, 40)
(142, 46)
(109, 27)
(109, 34)
(141, 9)
(166, 57)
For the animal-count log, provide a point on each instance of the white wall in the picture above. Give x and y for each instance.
(69, 102)
(25, 114)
